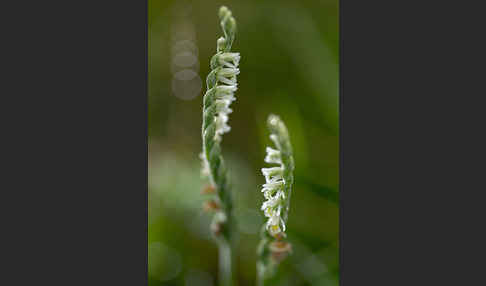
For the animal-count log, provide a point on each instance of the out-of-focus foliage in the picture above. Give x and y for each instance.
(289, 66)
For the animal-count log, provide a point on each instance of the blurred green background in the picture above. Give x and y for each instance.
(289, 66)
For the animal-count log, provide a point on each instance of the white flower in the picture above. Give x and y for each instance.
(226, 89)
(270, 205)
(275, 224)
(273, 185)
(230, 81)
(269, 194)
(272, 174)
(205, 166)
(226, 99)
(273, 156)
(228, 72)
(221, 125)
(225, 94)
(274, 171)
(220, 217)
(222, 106)
(229, 59)
(273, 190)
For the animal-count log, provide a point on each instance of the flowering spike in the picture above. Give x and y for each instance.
(221, 85)
(276, 190)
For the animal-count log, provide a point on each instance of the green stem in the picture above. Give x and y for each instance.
(265, 273)
(225, 264)
(260, 274)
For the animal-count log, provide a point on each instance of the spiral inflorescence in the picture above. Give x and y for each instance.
(278, 180)
(277, 190)
(221, 86)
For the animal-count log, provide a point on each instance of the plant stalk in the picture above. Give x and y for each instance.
(221, 85)
(225, 264)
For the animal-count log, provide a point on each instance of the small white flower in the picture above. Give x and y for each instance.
(226, 89)
(221, 125)
(271, 203)
(273, 185)
(273, 156)
(222, 106)
(227, 98)
(225, 95)
(274, 171)
(269, 194)
(269, 212)
(272, 174)
(230, 81)
(229, 59)
(228, 72)
(205, 166)
(220, 217)
(274, 222)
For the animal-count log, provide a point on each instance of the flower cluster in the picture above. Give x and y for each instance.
(222, 79)
(277, 190)
(224, 90)
(221, 85)
(273, 190)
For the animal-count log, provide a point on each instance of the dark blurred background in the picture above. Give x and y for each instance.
(289, 66)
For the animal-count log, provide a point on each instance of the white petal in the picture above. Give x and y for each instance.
(228, 72)
(273, 156)
(225, 80)
(272, 171)
(273, 185)
(228, 89)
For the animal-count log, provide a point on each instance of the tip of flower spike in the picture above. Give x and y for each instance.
(279, 134)
(223, 11)
(228, 24)
(231, 24)
(273, 120)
